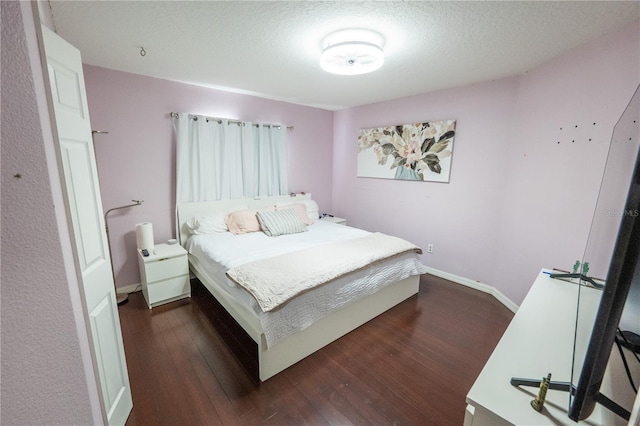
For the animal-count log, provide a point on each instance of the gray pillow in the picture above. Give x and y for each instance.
(280, 222)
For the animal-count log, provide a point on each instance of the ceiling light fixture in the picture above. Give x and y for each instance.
(352, 52)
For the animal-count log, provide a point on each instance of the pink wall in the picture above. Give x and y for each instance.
(136, 160)
(553, 187)
(43, 372)
(513, 190)
(458, 218)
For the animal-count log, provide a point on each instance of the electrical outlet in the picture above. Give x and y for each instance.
(429, 248)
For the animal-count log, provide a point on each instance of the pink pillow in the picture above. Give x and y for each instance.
(301, 211)
(244, 221)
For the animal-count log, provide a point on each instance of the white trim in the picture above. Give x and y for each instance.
(634, 420)
(485, 288)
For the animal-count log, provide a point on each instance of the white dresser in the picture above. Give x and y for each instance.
(538, 341)
(164, 274)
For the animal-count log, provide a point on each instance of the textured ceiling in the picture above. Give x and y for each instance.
(271, 49)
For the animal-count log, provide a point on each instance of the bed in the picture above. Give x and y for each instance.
(287, 329)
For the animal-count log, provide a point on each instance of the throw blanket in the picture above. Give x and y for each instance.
(275, 280)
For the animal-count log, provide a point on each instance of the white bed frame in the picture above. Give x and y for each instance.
(275, 358)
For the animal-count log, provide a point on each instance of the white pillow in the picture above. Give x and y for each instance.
(312, 207)
(207, 224)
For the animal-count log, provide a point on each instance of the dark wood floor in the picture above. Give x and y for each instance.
(412, 365)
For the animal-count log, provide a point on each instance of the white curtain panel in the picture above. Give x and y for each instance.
(199, 159)
(218, 159)
(272, 159)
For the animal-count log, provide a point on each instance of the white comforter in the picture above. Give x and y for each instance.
(217, 253)
(275, 280)
(231, 250)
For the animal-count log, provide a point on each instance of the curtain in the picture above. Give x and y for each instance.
(220, 159)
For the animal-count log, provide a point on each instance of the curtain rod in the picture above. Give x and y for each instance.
(229, 121)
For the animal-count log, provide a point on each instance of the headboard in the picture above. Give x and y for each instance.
(184, 211)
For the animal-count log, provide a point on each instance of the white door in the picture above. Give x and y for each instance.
(84, 205)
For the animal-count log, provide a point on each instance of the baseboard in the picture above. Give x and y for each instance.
(485, 288)
(129, 288)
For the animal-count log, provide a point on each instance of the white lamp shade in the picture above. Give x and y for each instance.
(351, 58)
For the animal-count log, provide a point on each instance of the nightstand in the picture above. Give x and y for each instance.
(333, 219)
(164, 274)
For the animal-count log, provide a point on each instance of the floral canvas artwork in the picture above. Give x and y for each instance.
(420, 151)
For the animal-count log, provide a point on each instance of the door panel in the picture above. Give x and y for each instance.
(82, 196)
(66, 89)
(103, 324)
(72, 132)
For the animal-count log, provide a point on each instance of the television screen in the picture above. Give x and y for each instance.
(611, 257)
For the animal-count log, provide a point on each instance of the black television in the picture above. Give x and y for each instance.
(617, 214)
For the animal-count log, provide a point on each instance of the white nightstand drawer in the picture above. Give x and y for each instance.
(164, 274)
(168, 267)
(164, 291)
